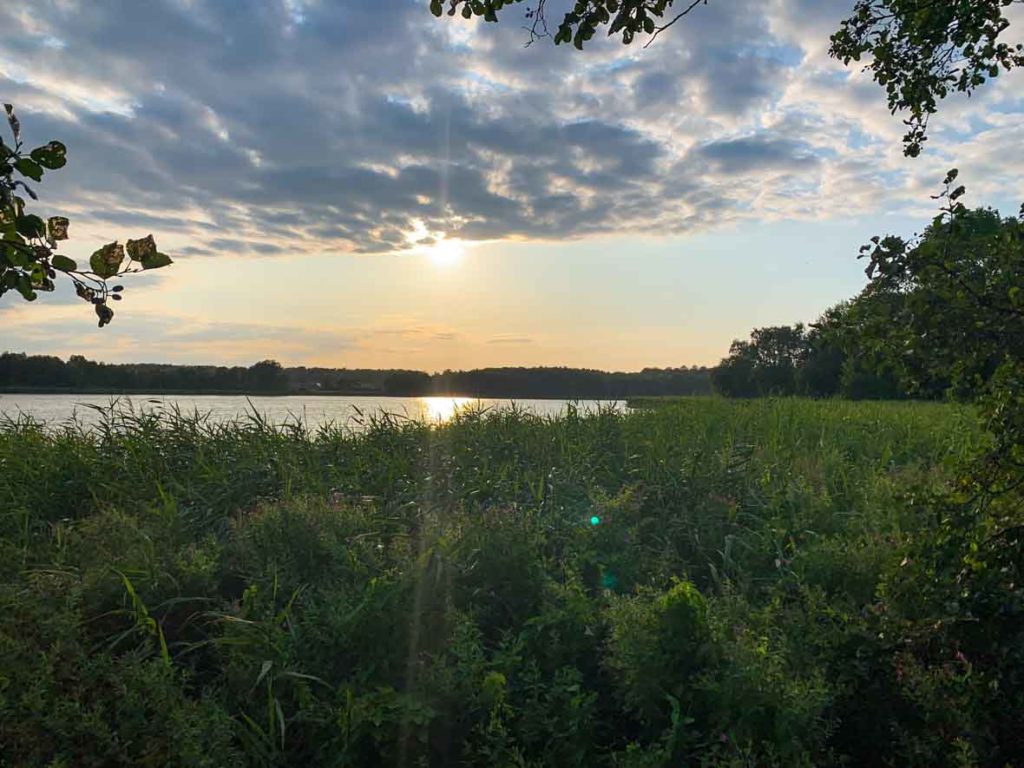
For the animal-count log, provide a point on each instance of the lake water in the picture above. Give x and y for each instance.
(312, 410)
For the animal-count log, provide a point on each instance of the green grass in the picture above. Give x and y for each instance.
(179, 592)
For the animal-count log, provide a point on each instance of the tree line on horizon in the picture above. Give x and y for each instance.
(22, 372)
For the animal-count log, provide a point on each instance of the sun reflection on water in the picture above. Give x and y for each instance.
(442, 409)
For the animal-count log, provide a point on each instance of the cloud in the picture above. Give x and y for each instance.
(347, 125)
(756, 153)
(510, 339)
(157, 337)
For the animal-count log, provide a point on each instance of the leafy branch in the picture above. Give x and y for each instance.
(29, 262)
(919, 51)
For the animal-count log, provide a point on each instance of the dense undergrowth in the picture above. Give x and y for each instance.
(704, 583)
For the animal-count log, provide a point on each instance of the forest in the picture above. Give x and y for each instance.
(45, 373)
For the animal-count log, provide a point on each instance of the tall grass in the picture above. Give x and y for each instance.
(674, 585)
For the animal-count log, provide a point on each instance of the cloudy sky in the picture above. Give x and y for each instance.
(355, 183)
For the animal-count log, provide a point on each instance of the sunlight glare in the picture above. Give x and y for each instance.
(446, 253)
(442, 409)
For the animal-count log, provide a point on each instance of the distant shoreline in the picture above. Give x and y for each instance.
(48, 375)
(242, 393)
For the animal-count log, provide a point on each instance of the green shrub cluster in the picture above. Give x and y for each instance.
(708, 583)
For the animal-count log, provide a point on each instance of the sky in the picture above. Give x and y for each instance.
(354, 183)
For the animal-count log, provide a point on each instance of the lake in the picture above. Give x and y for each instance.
(313, 410)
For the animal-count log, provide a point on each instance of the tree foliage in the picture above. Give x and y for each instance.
(942, 316)
(953, 298)
(29, 262)
(920, 51)
(823, 359)
(958, 316)
(765, 365)
(627, 18)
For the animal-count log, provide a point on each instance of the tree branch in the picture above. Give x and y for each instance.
(678, 16)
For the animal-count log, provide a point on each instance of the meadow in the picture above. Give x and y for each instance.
(695, 582)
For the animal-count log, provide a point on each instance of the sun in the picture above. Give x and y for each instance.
(445, 253)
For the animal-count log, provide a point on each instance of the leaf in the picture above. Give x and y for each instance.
(37, 273)
(17, 256)
(106, 262)
(264, 669)
(24, 287)
(58, 227)
(280, 720)
(12, 120)
(29, 168)
(105, 314)
(52, 155)
(140, 250)
(63, 263)
(156, 261)
(31, 226)
(28, 190)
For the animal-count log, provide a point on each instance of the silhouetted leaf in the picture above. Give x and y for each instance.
(52, 155)
(156, 261)
(12, 120)
(63, 263)
(28, 190)
(31, 226)
(24, 287)
(104, 313)
(30, 168)
(106, 262)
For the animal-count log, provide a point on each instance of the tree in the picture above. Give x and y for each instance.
(923, 50)
(766, 365)
(954, 297)
(29, 262)
(268, 376)
(735, 375)
(825, 359)
(957, 319)
(779, 351)
(920, 51)
(821, 370)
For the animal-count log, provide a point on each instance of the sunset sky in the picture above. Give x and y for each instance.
(354, 183)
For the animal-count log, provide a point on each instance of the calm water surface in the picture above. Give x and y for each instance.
(311, 410)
